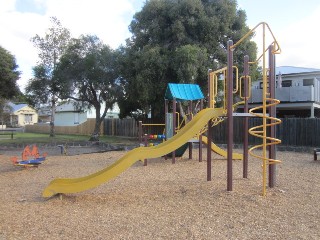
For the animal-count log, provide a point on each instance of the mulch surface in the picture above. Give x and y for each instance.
(162, 200)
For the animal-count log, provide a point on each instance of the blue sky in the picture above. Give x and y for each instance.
(29, 6)
(293, 22)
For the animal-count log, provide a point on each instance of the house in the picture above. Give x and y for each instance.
(298, 90)
(71, 114)
(111, 113)
(22, 114)
(44, 114)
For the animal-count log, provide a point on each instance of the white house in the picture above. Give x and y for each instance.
(71, 114)
(297, 88)
(44, 114)
(111, 113)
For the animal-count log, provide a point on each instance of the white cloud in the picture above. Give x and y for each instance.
(16, 30)
(109, 20)
(6, 6)
(299, 42)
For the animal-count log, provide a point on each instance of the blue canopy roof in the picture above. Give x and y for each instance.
(183, 92)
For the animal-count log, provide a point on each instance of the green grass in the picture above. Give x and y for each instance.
(30, 138)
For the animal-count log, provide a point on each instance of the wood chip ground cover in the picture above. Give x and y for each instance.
(162, 200)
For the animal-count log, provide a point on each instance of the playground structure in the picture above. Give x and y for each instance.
(29, 158)
(266, 131)
(173, 121)
(149, 140)
(203, 121)
(83, 183)
(178, 93)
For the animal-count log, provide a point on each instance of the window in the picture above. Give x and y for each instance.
(308, 82)
(76, 118)
(28, 118)
(261, 85)
(287, 83)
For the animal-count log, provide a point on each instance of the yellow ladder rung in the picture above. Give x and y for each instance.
(257, 131)
(274, 161)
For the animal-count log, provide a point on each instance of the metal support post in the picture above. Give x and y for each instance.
(229, 114)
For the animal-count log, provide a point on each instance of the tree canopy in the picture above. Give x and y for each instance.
(177, 41)
(9, 75)
(42, 87)
(87, 73)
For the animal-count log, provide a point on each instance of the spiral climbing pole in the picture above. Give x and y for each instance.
(233, 84)
(266, 131)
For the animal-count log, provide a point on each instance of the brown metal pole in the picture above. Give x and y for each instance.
(246, 119)
(190, 118)
(145, 162)
(190, 150)
(272, 113)
(200, 136)
(166, 110)
(190, 110)
(174, 109)
(209, 151)
(209, 132)
(140, 131)
(229, 114)
(209, 90)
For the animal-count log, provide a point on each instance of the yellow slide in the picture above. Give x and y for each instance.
(73, 185)
(221, 152)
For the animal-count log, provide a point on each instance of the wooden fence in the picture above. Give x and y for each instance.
(120, 127)
(130, 127)
(300, 132)
(85, 128)
(292, 131)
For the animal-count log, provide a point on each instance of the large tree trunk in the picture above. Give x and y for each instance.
(95, 136)
(96, 132)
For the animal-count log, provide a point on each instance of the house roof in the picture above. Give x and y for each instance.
(183, 92)
(68, 107)
(17, 107)
(292, 70)
(44, 111)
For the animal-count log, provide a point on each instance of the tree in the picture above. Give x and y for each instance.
(177, 41)
(8, 75)
(87, 73)
(51, 47)
(8, 80)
